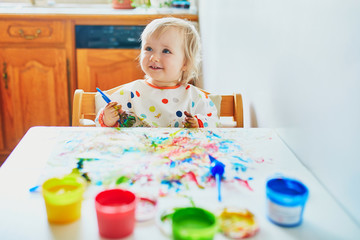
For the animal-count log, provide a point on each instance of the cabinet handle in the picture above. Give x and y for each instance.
(5, 76)
(29, 37)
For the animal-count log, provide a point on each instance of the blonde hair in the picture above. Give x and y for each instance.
(192, 43)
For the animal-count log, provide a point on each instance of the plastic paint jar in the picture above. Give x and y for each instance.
(63, 199)
(115, 210)
(286, 200)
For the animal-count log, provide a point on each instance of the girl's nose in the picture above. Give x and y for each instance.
(154, 58)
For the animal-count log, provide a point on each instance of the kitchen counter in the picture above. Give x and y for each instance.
(86, 9)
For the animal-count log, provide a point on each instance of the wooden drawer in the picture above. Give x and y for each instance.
(17, 31)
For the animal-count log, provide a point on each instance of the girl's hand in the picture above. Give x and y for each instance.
(111, 114)
(190, 121)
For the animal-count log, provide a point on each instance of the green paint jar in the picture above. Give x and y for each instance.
(193, 224)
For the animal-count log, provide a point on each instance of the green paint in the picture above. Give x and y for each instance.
(121, 180)
(193, 223)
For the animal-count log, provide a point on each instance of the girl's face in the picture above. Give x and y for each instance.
(163, 59)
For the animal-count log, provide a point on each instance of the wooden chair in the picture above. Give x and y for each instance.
(84, 107)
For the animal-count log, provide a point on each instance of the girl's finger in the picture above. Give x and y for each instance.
(187, 114)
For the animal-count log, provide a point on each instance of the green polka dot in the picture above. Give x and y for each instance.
(121, 92)
(152, 109)
(155, 124)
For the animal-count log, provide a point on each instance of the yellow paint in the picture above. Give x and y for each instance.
(238, 223)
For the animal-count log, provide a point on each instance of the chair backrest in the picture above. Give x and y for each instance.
(84, 107)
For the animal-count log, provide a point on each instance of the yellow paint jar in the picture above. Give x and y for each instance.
(63, 197)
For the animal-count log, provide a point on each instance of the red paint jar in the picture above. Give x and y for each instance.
(115, 210)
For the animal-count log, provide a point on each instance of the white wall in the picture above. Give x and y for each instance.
(297, 64)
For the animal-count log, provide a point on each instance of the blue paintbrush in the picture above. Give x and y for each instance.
(107, 100)
(217, 169)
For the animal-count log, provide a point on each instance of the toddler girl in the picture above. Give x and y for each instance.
(170, 58)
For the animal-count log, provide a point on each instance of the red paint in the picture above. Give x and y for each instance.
(260, 160)
(244, 183)
(193, 177)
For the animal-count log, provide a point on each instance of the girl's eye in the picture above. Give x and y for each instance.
(148, 49)
(166, 51)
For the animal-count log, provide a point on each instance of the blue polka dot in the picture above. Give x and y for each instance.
(179, 113)
(143, 115)
(132, 95)
(192, 104)
(129, 104)
(205, 124)
(176, 124)
(211, 103)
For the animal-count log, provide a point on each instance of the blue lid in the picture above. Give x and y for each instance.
(286, 191)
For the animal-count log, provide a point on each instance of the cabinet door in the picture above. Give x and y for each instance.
(107, 68)
(2, 145)
(36, 92)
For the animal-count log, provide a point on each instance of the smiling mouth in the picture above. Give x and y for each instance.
(155, 67)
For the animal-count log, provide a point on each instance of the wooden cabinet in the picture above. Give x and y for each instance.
(34, 92)
(107, 68)
(32, 31)
(34, 79)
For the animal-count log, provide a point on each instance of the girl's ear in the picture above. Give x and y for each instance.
(184, 67)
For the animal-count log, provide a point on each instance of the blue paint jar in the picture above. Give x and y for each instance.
(286, 200)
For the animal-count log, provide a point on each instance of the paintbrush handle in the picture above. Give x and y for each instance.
(107, 100)
(218, 183)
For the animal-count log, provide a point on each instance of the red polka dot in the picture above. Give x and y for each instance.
(187, 87)
(209, 114)
(165, 101)
(206, 96)
(137, 93)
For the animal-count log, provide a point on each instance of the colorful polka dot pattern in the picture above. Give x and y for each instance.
(165, 107)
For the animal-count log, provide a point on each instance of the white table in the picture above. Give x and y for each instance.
(23, 214)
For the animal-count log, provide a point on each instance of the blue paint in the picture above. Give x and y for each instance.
(214, 134)
(241, 159)
(172, 183)
(286, 200)
(188, 160)
(238, 166)
(131, 149)
(172, 164)
(33, 189)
